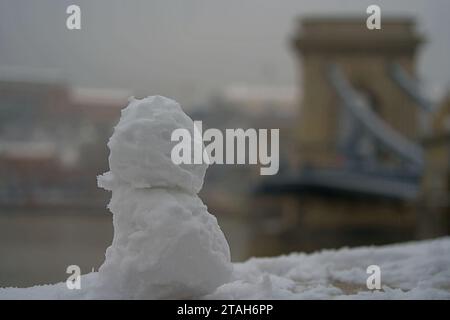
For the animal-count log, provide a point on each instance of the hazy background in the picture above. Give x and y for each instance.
(189, 50)
(230, 64)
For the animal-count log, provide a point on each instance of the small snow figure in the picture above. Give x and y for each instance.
(166, 244)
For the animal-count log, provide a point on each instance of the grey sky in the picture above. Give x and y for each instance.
(189, 49)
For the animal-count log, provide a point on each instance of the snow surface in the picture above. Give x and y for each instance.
(167, 246)
(416, 270)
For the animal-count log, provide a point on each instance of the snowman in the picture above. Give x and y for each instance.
(166, 244)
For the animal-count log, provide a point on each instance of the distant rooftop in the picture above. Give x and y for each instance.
(31, 74)
(109, 97)
(27, 149)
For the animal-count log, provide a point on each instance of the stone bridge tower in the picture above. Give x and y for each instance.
(378, 65)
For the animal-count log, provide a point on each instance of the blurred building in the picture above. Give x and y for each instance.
(361, 163)
(52, 146)
(53, 142)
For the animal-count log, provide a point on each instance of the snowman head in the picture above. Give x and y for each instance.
(140, 148)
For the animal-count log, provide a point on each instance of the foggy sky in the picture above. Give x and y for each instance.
(190, 49)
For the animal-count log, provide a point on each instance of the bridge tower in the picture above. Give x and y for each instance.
(379, 65)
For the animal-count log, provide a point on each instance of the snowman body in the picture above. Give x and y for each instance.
(166, 244)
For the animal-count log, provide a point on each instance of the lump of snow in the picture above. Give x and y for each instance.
(140, 148)
(166, 244)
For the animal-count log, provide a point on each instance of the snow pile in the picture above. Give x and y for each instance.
(166, 244)
(418, 270)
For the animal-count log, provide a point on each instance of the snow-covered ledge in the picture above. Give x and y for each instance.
(167, 245)
(416, 270)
